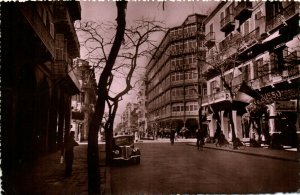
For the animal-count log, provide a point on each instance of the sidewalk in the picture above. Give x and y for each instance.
(259, 151)
(46, 176)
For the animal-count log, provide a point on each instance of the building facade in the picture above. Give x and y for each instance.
(172, 77)
(142, 111)
(38, 80)
(130, 119)
(83, 103)
(258, 43)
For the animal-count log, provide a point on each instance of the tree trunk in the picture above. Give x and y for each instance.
(109, 127)
(93, 151)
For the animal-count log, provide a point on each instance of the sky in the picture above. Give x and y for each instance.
(173, 14)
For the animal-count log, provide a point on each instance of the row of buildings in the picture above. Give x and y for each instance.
(204, 61)
(45, 92)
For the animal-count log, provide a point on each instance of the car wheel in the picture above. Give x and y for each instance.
(137, 160)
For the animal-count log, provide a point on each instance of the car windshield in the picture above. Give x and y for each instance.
(121, 141)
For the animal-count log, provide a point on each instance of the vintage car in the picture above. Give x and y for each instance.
(124, 150)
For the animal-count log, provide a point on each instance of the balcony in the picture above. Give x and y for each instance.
(249, 40)
(189, 34)
(243, 10)
(59, 69)
(210, 39)
(40, 29)
(252, 37)
(176, 37)
(201, 34)
(64, 25)
(230, 41)
(204, 100)
(292, 72)
(187, 113)
(184, 51)
(228, 23)
(282, 17)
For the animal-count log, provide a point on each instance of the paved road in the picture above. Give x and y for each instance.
(182, 169)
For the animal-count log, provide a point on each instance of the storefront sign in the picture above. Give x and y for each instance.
(278, 95)
(286, 106)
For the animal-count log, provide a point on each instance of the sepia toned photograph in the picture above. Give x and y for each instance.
(150, 97)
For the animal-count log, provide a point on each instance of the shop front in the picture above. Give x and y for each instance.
(276, 116)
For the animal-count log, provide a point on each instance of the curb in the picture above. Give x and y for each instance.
(251, 153)
(107, 189)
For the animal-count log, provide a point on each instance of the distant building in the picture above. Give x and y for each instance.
(130, 118)
(173, 82)
(83, 103)
(37, 77)
(142, 111)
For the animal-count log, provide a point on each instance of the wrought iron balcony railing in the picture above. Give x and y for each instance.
(227, 22)
(210, 39)
(231, 41)
(282, 16)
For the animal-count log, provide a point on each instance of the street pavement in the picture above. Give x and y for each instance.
(47, 175)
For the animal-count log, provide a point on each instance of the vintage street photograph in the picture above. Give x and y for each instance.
(150, 97)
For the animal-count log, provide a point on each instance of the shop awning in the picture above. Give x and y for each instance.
(271, 37)
(240, 107)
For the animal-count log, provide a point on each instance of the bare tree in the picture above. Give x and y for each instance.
(102, 93)
(136, 45)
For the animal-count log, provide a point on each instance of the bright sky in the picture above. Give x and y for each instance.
(174, 14)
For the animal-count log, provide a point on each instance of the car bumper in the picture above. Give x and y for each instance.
(122, 158)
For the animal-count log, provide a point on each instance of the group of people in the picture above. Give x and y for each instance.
(201, 134)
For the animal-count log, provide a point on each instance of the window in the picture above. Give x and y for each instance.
(211, 27)
(213, 86)
(273, 9)
(246, 72)
(246, 27)
(204, 91)
(261, 68)
(222, 16)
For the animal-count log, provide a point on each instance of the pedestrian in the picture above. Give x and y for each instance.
(136, 136)
(69, 153)
(172, 136)
(200, 135)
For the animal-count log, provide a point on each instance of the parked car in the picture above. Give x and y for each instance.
(124, 150)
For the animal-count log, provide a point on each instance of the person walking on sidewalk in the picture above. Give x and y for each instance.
(200, 135)
(69, 153)
(172, 136)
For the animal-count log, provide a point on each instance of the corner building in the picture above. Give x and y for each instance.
(264, 36)
(173, 79)
(38, 44)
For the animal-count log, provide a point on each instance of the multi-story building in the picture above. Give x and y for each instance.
(256, 42)
(141, 111)
(83, 103)
(173, 79)
(38, 81)
(130, 118)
